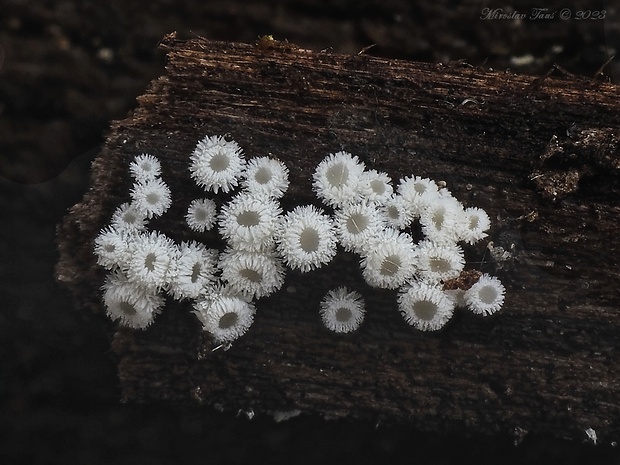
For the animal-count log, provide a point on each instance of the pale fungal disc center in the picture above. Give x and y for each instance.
(309, 240)
(149, 261)
(440, 265)
(130, 218)
(419, 187)
(487, 294)
(251, 275)
(438, 218)
(263, 175)
(356, 223)
(343, 314)
(146, 166)
(425, 310)
(390, 265)
(393, 213)
(248, 218)
(127, 308)
(152, 198)
(473, 222)
(110, 248)
(196, 269)
(337, 175)
(219, 162)
(377, 186)
(200, 214)
(228, 320)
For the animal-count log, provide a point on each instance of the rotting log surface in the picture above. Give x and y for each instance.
(540, 155)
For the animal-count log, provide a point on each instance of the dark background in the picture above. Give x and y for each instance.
(69, 67)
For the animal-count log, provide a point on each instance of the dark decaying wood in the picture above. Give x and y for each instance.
(540, 155)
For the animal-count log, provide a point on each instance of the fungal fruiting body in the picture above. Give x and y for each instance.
(357, 225)
(266, 177)
(251, 274)
(249, 223)
(337, 179)
(201, 215)
(486, 296)
(145, 167)
(128, 218)
(375, 187)
(362, 214)
(225, 317)
(135, 306)
(439, 262)
(217, 164)
(389, 262)
(425, 306)
(342, 310)
(151, 197)
(193, 270)
(306, 239)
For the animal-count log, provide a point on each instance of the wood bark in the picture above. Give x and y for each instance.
(540, 155)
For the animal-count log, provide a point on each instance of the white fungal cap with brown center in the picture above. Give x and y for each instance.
(128, 218)
(375, 187)
(425, 306)
(151, 197)
(439, 262)
(145, 167)
(336, 179)
(254, 275)
(133, 305)
(217, 164)
(307, 239)
(342, 310)
(201, 215)
(476, 222)
(249, 223)
(151, 256)
(111, 248)
(389, 263)
(193, 270)
(486, 296)
(226, 317)
(266, 177)
(357, 225)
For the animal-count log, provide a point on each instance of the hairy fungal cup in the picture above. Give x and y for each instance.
(362, 213)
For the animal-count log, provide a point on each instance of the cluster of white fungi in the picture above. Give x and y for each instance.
(363, 214)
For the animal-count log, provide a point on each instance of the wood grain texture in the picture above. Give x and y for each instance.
(541, 156)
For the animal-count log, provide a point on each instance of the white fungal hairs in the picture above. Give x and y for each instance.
(201, 215)
(437, 262)
(337, 179)
(357, 225)
(193, 270)
(226, 317)
(306, 239)
(390, 260)
(217, 164)
(342, 310)
(145, 167)
(425, 306)
(134, 306)
(364, 215)
(249, 223)
(486, 296)
(151, 197)
(254, 275)
(266, 177)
